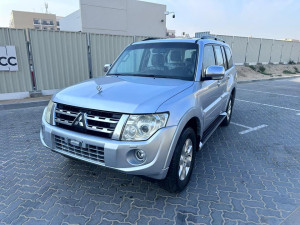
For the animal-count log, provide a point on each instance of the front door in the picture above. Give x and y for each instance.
(210, 91)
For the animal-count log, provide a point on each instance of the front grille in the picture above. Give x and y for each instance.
(89, 121)
(90, 151)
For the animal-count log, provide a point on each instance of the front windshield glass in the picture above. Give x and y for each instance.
(162, 60)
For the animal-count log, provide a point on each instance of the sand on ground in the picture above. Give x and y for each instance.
(247, 73)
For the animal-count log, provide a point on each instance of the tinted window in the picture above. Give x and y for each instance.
(219, 56)
(208, 57)
(36, 21)
(229, 57)
(224, 57)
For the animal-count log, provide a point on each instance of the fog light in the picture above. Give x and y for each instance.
(140, 155)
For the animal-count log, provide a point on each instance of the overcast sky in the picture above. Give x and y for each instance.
(257, 18)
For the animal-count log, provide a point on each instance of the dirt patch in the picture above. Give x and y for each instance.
(263, 72)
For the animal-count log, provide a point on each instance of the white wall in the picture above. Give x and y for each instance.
(71, 22)
(123, 17)
(104, 16)
(144, 19)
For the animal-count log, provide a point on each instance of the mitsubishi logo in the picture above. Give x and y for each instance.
(80, 120)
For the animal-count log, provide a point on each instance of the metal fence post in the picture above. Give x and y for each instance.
(290, 58)
(259, 51)
(246, 51)
(88, 42)
(281, 54)
(30, 60)
(271, 51)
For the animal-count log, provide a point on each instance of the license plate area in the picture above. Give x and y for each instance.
(75, 143)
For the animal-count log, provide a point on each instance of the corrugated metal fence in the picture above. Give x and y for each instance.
(18, 81)
(258, 50)
(105, 49)
(60, 59)
(57, 59)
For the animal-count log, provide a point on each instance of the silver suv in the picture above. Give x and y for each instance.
(157, 105)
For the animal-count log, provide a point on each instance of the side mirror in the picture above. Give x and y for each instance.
(106, 68)
(214, 73)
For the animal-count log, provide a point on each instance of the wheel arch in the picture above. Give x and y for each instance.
(195, 124)
(190, 119)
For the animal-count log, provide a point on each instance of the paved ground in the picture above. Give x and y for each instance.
(247, 173)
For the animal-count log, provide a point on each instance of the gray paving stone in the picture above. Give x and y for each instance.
(240, 179)
(198, 219)
(251, 215)
(235, 216)
(217, 217)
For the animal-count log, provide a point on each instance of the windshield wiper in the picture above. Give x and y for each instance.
(132, 74)
(118, 74)
(147, 75)
(153, 75)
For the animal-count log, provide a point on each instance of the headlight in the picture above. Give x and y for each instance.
(142, 127)
(48, 112)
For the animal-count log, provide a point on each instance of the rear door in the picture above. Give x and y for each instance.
(221, 61)
(230, 73)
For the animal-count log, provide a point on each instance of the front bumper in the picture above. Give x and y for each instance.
(118, 154)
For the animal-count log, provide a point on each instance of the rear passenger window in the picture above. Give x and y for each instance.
(208, 57)
(219, 56)
(224, 57)
(229, 57)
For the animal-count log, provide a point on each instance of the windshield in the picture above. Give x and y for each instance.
(162, 60)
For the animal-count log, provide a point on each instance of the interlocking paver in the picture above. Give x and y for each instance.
(238, 179)
(216, 217)
(251, 215)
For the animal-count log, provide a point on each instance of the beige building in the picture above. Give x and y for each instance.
(117, 17)
(41, 21)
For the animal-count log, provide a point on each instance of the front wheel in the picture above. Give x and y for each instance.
(182, 163)
(227, 120)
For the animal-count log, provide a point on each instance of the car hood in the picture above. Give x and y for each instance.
(126, 94)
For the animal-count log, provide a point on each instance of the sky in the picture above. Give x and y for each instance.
(276, 19)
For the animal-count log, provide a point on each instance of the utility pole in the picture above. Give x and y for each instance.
(46, 7)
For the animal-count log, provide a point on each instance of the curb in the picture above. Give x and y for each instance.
(274, 78)
(23, 105)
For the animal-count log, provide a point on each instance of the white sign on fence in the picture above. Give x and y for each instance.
(8, 58)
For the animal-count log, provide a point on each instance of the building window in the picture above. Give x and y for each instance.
(45, 28)
(58, 28)
(51, 22)
(37, 27)
(44, 22)
(57, 23)
(36, 21)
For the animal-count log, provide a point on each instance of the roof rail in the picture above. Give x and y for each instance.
(212, 37)
(148, 39)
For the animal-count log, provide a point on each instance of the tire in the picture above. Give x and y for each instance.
(183, 156)
(229, 108)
